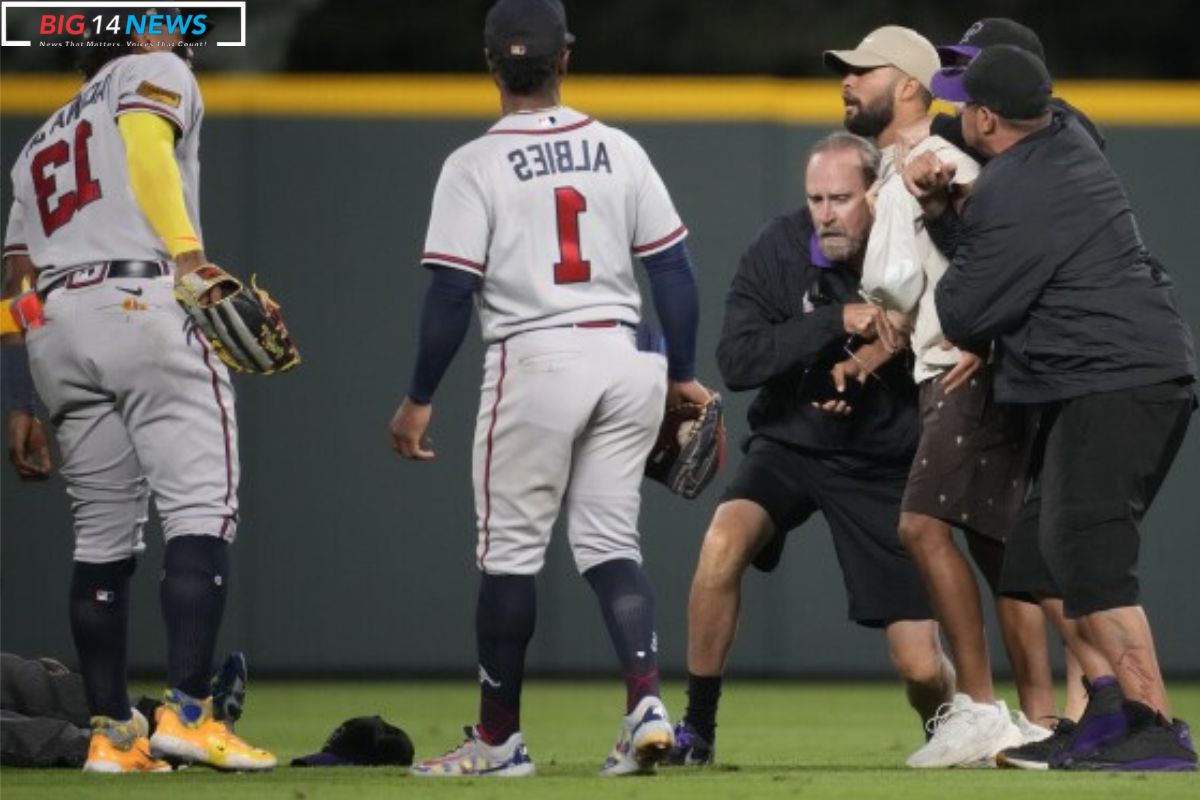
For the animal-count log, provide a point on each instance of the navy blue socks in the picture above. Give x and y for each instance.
(627, 603)
(504, 619)
(195, 579)
(100, 627)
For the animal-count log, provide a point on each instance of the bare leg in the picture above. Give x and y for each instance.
(1076, 696)
(955, 597)
(738, 530)
(928, 675)
(1123, 636)
(1023, 626)
(1091, 661)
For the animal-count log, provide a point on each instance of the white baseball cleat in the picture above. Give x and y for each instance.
(644, 742)
(966, 734)
(475, 758)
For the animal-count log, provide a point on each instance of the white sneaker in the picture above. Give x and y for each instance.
(966, 734)
(1030, 731)
(475, 758)
(645, 740)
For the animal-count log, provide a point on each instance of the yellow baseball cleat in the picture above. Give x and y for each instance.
(188, 732)
(119, 747)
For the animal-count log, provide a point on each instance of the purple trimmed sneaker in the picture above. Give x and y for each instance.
(1103, 722)
(1152, 745)
(1039, 754)
(691, 749)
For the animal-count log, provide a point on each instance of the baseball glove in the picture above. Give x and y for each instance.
(242, 323)
(690, 447)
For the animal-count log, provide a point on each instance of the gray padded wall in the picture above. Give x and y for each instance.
(350, 560)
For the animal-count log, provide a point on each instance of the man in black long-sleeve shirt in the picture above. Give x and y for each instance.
(1049, 264)
(792, 306)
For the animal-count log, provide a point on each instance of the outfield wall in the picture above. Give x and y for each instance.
(351, 560)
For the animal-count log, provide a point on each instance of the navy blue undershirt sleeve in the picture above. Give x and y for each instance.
(18, 380)
(673, 286)
(445, 318)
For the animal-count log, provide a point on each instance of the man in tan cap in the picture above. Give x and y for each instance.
(891, 65)
(970, 464)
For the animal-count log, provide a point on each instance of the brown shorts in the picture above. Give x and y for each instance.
(971, 463)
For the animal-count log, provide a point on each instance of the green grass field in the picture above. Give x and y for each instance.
(776, 739)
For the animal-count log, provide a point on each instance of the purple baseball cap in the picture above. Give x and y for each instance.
(1006, 79)
(948, 84)
(362, 741)
(988, 32)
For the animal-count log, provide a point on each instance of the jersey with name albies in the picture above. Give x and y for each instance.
(549, 207)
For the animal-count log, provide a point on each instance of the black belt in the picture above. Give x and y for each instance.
(104, 271)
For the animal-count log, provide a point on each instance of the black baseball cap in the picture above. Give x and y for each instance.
(1004, 78)
(364, 742)
(526, 29)
(987, 32)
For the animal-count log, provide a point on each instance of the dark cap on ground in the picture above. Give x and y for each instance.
(1006, 79)
(363, 742)
(987, 32)
(526, 29)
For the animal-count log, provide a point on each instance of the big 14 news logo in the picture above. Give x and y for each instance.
(127, 24)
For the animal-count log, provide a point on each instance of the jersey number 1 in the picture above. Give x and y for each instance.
(45, 185)
(570, 267)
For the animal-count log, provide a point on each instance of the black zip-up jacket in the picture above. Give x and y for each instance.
(782, 334)
(1048, 262)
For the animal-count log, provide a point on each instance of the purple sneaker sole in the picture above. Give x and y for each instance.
(1144, 765)
(1094, 734)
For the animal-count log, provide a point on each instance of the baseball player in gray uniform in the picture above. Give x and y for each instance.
(537, 221)
(105, 213)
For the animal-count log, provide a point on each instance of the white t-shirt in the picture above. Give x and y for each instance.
(902, 265)
(549, 207)
(72, 200)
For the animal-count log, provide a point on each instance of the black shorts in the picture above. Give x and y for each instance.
(1025, 574)
(970, 466)
(988, 555)
(863, 512)
(1101, 459)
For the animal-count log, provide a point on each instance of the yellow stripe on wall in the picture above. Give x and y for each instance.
(631, 98)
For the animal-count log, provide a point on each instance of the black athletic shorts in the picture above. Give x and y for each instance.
(988, 555)
(1101, 459)
(1025, 574)
(863, 512)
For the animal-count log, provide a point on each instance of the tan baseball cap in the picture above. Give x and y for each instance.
(890, 46)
